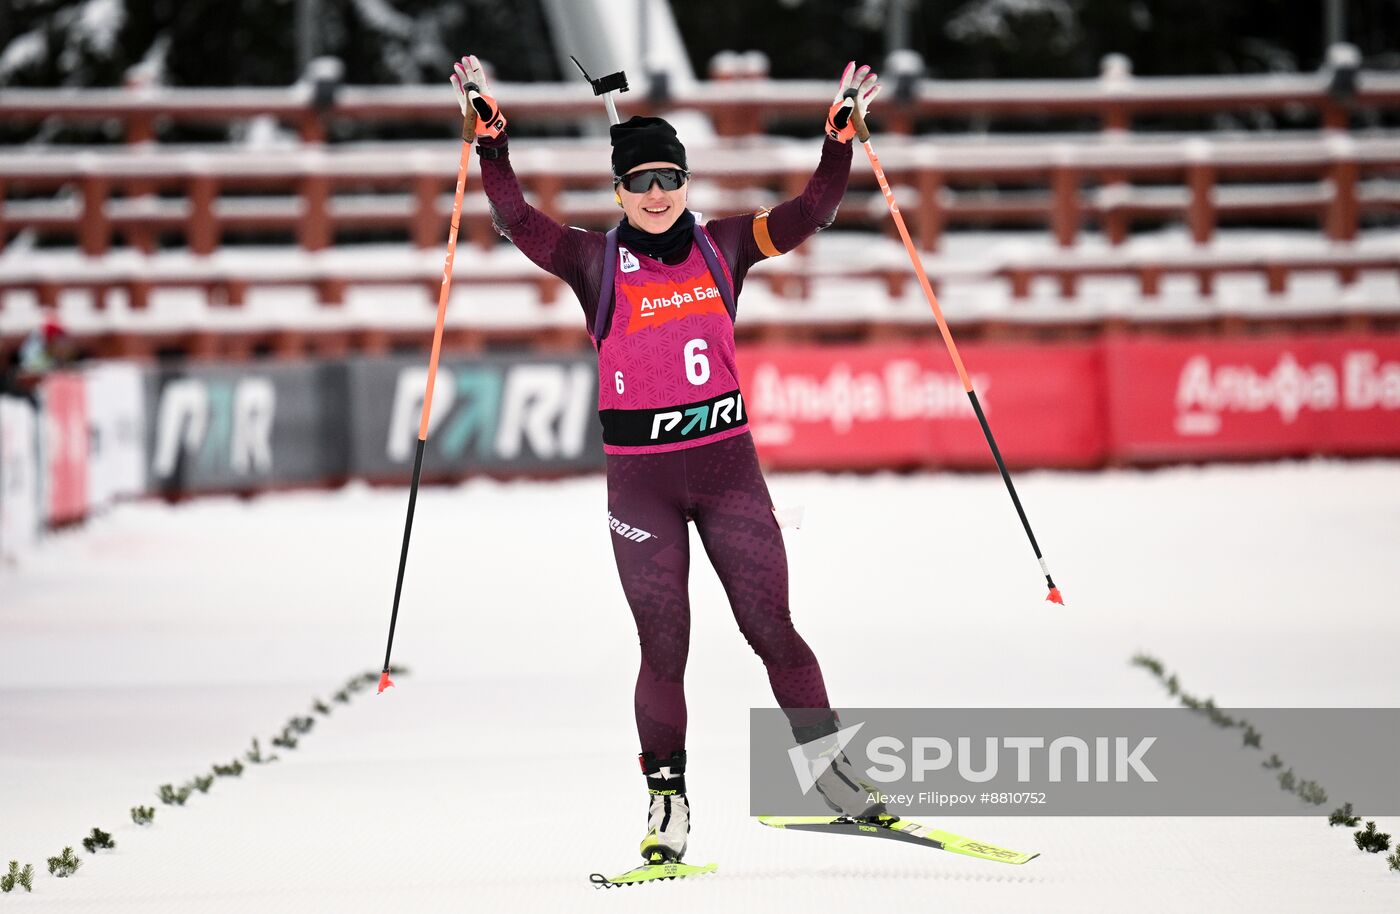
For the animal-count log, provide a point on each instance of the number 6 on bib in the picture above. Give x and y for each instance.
(697, 367)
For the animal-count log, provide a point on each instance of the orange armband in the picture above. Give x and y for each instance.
(760, 234)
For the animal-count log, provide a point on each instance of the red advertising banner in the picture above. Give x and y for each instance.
(65, 447)
(1197, 400)
(864, 407)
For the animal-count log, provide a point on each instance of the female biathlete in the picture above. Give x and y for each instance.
(658, 295)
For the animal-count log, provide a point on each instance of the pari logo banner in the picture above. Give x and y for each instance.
(896, 405)
(1310, 394)
(222, 424)
(1077, 761)
(488, 413)
(219, 427)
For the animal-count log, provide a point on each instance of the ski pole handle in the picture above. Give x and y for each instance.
(862, 131)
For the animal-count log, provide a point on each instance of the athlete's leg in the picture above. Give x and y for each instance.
(734, 515)
(652, 548)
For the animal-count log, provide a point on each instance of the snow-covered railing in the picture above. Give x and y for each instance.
(1275, 268)
(738, 107)
(291, 303)
(315, 192)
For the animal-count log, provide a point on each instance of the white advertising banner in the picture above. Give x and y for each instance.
(19, 477)
(116, 432)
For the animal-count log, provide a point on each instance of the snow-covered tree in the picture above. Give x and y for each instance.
(255, 42)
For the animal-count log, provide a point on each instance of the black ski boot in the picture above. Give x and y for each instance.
(834, 776)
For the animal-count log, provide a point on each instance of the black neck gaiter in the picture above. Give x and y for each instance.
(670, 246)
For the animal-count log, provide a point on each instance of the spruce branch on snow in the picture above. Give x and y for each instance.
(1219, 717)
(98, 840)
(142, 815)
(172, 797)
(1309, 791)
(1394, 860)
(320, 707)
(232, 770)
(18, 877)
(1312, 793)
(1343, 816)
(286, 740)
(1148, 662)
(1207, 705)
(202, 783)
(255, 755)
(1370, 840)
(65, 864)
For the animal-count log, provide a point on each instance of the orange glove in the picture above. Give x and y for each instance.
(469, 82)
(858, 87)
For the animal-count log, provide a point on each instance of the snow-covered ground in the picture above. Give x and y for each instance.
(155, 641)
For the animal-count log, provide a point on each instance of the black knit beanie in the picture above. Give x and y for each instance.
(644, 139)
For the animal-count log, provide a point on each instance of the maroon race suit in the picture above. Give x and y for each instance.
(660, 479)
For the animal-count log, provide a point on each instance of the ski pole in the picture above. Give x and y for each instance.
(468, 134)
(863, 132)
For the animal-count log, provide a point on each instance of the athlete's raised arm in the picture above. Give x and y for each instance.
(748, 239)
(565, 252)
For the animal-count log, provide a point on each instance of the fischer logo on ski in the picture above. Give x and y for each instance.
(988, 849)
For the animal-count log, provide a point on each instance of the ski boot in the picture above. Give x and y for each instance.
(668, 816)
(835, 777)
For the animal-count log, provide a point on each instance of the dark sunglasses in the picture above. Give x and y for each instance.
(639, 182)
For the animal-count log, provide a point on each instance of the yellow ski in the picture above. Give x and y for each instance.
(900, 830)
(650, 872)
